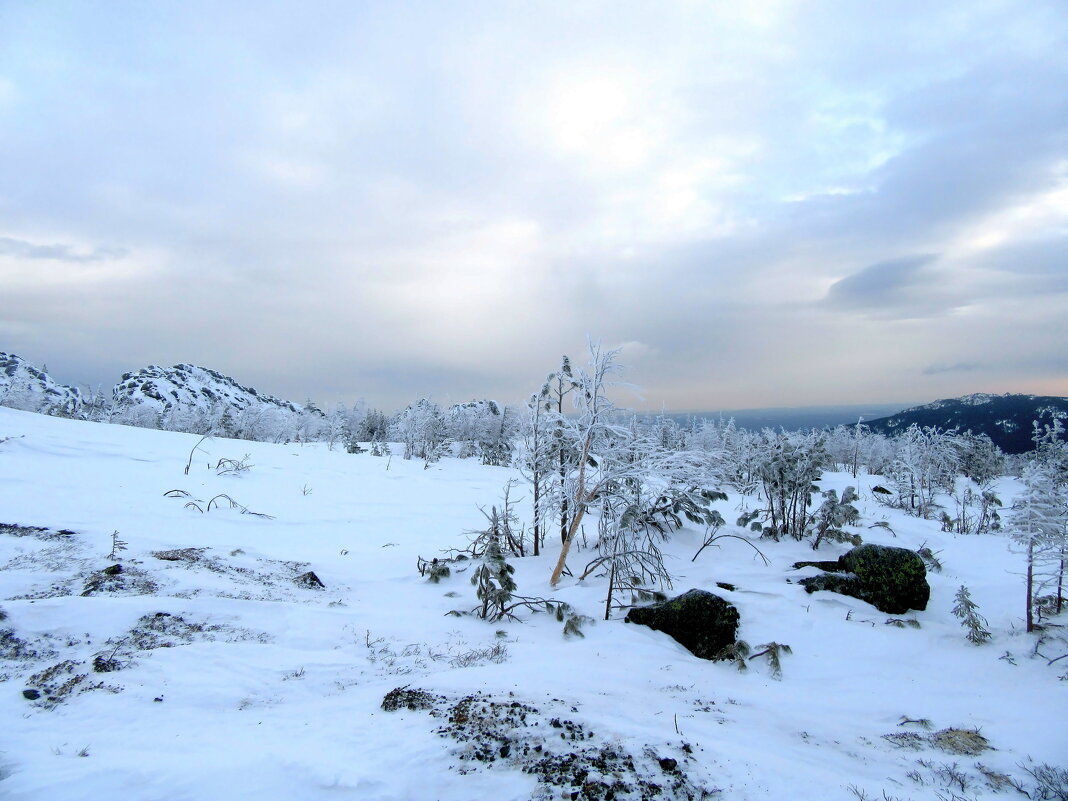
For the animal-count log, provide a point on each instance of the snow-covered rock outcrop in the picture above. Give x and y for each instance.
(24, 386)
(190, 398)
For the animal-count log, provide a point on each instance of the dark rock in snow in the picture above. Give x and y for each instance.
(310, 580)
(702, 622)
(403, 698)
(893, 580)
(31, 694)
(119, 579)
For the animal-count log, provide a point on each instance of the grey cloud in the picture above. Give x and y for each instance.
(885, 285)
(27, 250)
(959, 367)
(1035, 268)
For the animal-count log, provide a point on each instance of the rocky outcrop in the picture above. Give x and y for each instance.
(23, 386)
(893, 580)
(186, 385)
(703, 623)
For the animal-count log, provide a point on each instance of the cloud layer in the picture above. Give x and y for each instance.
(784, 204)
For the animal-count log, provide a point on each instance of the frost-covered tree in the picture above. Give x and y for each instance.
(561, 446)
(831, 518)
(1038, 524)
(420, 428)
(977, 511)
(979, 458)
(374, 427)
(536, 462)
(730, 453)
(926, 464)
(497, 436)
(1051, 449)
(788, 465)
(637, 489)
(465, 424)
(592, 437)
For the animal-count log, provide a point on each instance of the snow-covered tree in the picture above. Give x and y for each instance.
(1051, 448)
(420, 428)
(926, 463)
(374, 427)
(638, 490)
(535, 462)
(788, 465)
(979, 458)
(1038, 523)
(561, 447)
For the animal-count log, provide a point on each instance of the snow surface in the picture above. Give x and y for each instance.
(282, 699)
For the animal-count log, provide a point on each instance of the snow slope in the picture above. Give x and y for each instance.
(272, 690)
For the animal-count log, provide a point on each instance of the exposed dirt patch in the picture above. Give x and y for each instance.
(60, 682)
(567, 759)
(120, 580)
(37, 532)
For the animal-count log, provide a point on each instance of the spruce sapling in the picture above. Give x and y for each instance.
(117, 546)
(968, 612)
(773, 651)
(494, 583)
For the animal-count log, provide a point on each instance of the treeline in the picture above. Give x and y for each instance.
(620, 484)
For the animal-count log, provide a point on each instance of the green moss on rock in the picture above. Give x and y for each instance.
(893, 580)
(700, 621)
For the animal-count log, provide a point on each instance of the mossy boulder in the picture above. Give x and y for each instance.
(893, 580)
(700, 621)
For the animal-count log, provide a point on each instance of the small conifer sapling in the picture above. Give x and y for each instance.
(117, 546)
(968, 613)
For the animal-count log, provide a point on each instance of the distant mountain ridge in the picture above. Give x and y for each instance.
(1007, 419)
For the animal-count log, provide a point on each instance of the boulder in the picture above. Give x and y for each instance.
(893, 580)
(700, 621)
(310, 580)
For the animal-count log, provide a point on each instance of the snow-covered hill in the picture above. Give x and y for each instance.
(183, 398)
(24, 386)
(204, 666)
(188, 389)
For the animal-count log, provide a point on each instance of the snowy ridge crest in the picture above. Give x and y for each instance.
(24, 386)
(189, 387)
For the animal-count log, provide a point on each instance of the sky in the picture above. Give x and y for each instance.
(762, 204)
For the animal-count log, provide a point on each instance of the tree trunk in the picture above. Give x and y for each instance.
(581, 499)
(1030, 584)
(566, 546)
(1060, 585)
(611, 586)
(537, 512)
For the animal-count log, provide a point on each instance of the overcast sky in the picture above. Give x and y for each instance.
(764, 203)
